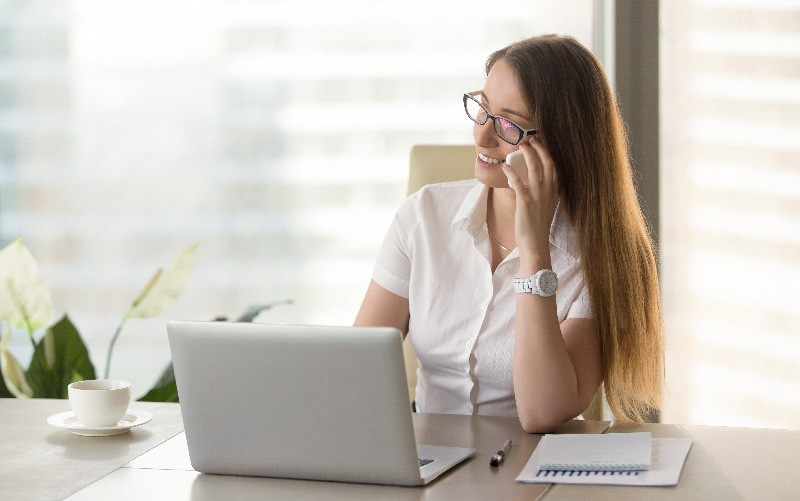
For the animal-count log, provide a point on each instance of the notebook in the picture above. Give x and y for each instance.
(668, 457)
(305, 402)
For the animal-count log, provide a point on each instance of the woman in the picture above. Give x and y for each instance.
(490, 343)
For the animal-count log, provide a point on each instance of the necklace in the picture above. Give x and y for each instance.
(491, 237)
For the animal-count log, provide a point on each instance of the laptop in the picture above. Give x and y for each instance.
(303, 402)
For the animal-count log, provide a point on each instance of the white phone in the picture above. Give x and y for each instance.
(516, 161)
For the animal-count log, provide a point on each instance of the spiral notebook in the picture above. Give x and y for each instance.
(568, 459)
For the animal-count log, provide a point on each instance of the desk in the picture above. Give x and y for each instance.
(41, 462)
(724, 463)
(51, 463)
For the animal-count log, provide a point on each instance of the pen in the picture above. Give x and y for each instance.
(501, 454)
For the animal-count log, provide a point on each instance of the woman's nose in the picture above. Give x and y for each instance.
(484, 134)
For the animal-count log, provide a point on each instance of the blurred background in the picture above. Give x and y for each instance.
(276, 134)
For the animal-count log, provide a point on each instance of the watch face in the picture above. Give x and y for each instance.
(548, 282)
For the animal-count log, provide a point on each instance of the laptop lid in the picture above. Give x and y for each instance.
(310, 402)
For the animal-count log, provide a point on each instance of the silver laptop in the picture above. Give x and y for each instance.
(305, 402)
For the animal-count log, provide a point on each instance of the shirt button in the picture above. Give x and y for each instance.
(483, 306)
(468, 344)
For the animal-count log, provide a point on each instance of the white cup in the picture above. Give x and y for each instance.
(99, 402)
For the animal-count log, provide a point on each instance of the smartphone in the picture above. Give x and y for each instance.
(516, 161)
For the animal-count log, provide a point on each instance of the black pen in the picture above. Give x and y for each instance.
(501, 454)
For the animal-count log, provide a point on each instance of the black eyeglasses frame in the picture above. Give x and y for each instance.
(523, 133)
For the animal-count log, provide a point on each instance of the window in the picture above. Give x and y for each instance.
(274, 133)
(730, 212)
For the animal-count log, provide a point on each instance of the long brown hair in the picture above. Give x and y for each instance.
(566, 89)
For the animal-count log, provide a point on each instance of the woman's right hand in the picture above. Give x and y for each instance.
(535, 202)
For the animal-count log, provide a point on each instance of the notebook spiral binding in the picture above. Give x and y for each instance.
(595, 473)
(597, 467)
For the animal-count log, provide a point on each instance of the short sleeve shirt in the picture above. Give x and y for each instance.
(437, 254)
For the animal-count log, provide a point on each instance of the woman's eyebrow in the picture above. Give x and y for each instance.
(507, 111)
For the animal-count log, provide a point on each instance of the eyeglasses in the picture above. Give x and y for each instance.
(505, 128)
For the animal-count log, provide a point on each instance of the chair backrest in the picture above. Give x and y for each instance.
(439, 163)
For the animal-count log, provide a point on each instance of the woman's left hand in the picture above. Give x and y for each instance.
(536, 202)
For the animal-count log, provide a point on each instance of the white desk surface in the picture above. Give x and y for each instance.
(51, 463)
(38, 461)
(724, 463)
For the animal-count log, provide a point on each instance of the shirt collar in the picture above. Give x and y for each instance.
(471, 216)
(563, 234)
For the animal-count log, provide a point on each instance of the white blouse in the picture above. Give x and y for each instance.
(437, 254)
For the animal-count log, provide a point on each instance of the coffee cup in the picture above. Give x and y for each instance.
(99, 402)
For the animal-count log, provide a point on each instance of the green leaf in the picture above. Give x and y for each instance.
(165, 390)
(254, 310)
(14, 382)
(59, 359)
(25, 300)
(4, 391)
(167, 393)
(165, 286)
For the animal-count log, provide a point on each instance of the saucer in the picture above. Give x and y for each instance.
(68, 420)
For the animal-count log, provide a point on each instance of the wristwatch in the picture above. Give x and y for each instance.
(544, 283)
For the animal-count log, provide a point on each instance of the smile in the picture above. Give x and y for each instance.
(489, 160)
